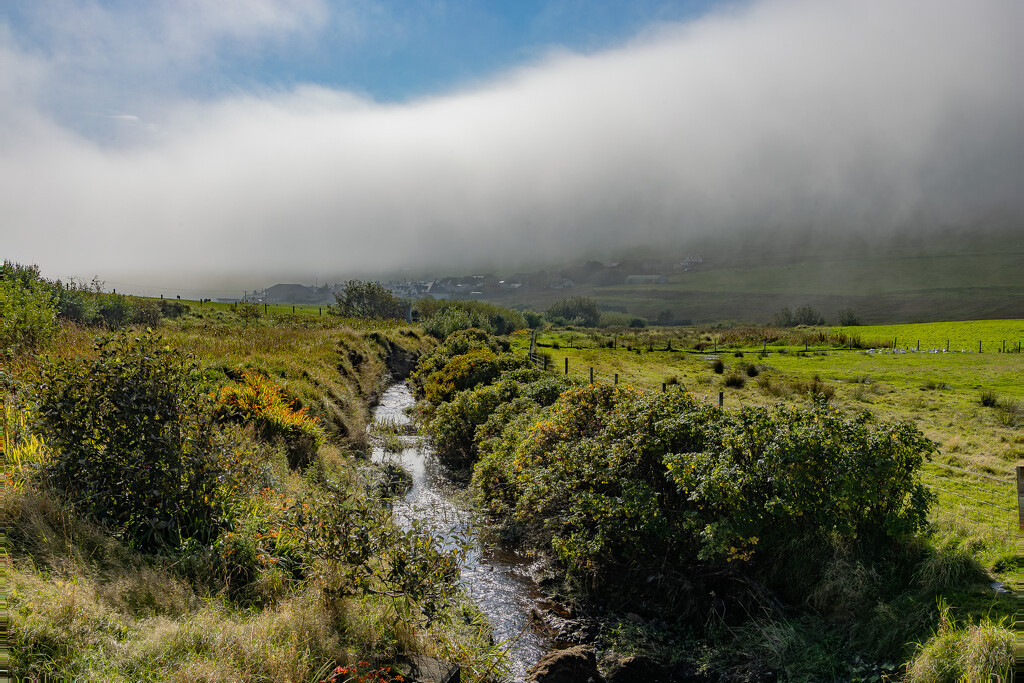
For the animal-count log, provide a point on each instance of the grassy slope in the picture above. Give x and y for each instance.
(88, 607)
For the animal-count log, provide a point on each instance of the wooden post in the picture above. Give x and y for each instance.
(663, 387)
(566, 365)
(1004, 346)
(1020, 495)
(947, 346)
(721, 398)
(545, 363)
(918, 344)
(979, 346)
(894, 343)
(293, 308)
(616, 379)
(264, 309)
(591, 375)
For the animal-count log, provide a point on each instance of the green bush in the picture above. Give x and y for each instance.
(607, 473)
(575, 310)
(28, 317)
(443, 318)
(132, 441)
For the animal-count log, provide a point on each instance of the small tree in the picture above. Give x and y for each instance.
(369, 300)
(133, 442)
(849, 318)
(805, 315)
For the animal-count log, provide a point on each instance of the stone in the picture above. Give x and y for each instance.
(573, 665)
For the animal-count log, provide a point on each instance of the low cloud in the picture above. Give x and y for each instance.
(869, 118)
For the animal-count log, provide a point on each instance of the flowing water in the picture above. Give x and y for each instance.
(498, 581)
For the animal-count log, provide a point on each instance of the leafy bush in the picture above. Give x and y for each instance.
(132, 441)
(575, 310)
(27, 310)
(259, 401)
(369, 300)
(989, 399)
(607, 473)
(442, 318)
(480, 366)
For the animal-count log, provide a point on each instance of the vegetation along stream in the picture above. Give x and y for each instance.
(497, 581)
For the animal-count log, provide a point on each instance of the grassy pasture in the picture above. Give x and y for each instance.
(978, 446)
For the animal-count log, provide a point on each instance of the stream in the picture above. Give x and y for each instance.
(497, 580)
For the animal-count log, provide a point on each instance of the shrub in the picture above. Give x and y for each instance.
(28, 317)
(606, 473)
(734, 381)
(752, 370)
(576, 310)
(718, 366)
(132, 442)
(368, 300)
(259, 401)
(468, 370)
(989, 398)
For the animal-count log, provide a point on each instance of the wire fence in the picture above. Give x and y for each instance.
(978, 499)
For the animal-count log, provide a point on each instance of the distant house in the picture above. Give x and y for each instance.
(646, 280)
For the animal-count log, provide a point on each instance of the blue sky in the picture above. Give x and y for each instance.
(238, 143)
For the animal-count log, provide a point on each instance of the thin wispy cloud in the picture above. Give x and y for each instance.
(776, 115)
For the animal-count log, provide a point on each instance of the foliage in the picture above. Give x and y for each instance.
(133, 446)
(466, 371)
(973, 652)
(262, 402)
(847, 317)
(363, 552)
(27, 310)
(443, 317)
(369, 300)
(456, 344)
(363, 672)
(575, 310)
(608, 473)
(804, 315)
(475, 415)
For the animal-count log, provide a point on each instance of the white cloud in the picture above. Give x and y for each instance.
(787, 113)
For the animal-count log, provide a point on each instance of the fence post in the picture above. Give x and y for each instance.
(721, 398)
(616, 379)
(591, 375)
(264, 309)
(979, 346)
(663, 387)
(545, 363)
(566, 365)
(947, 346)
(1020, 495)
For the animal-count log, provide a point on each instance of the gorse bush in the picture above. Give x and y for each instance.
(133, 446)
(607, 473)
(259, 401)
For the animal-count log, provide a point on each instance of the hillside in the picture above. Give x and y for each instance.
(956, 276)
